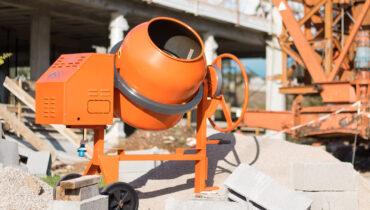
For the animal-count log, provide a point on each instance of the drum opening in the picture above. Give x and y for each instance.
(175, 39)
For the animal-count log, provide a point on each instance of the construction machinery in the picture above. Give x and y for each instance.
(149, 80)
(326, 57)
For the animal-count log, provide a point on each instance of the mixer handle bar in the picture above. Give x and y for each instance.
(148, 103)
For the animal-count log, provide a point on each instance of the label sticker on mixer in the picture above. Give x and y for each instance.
(54, 75)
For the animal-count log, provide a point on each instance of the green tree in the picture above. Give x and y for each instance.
(3, 57)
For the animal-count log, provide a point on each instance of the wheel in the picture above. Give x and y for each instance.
(121, 196)
(221, 100)
(64, 178)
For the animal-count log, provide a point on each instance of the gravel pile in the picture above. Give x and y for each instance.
(19, 190)
(272, 157)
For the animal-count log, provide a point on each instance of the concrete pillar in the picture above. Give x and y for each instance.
(40, 43)
(210, 51)
(99, 49)
(210, 47)
(274, 100)
(117, 26)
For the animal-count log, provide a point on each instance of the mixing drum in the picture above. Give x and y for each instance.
(160, 67)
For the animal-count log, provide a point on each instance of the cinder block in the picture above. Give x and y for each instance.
(39, 163)
(9, 153)
(78, 194)
(99, 202)
(333, 200)
(264, 191)
(242, 200)
(203, 204)
(324, 177)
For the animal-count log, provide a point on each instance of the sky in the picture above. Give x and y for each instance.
(256, 65)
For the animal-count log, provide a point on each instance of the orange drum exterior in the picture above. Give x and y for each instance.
(163, 60)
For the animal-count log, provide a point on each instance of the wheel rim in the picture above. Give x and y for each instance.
(231, 125)
(121, 196)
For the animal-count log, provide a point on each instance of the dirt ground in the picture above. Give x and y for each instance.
(169, 140)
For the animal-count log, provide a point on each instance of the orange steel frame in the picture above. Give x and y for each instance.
(328, 69)
(108, 165)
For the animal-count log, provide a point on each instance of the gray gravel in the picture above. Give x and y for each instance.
(16, 191)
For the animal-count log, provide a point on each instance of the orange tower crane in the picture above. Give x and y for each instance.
(331, 61)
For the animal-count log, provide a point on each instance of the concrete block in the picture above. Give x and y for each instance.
(9, 153)
(39, 163)
(99, 202)
(333, 200)
(78, 194)
(203, 204)
(324, 177)
(264, 191)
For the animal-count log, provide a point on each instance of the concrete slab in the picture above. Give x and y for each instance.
(203, 204)
(333, 200)
(265, 191)
(99, 202)
(39, 163)
(323, 177)
(9, 153)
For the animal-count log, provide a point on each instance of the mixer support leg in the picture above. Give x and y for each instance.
(108, 165)
(201, 166)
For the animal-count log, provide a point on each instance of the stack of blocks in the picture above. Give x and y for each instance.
(329, 185)
(79, 194)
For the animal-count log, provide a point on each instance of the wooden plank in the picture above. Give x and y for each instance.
(27, 134)
(30, 102)
(79, 182)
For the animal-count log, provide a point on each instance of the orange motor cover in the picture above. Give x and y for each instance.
(163, 60)
(76, 90)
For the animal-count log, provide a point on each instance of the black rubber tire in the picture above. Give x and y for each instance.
(64, 178)
(121, 193)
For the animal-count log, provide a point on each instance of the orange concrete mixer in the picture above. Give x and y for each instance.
(157, 73)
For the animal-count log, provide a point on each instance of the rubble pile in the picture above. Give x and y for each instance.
(19, 190)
